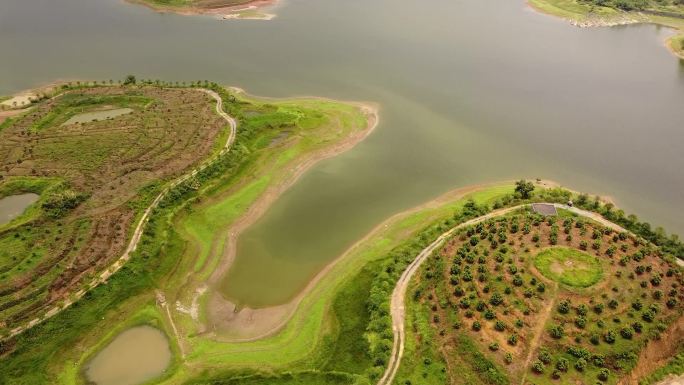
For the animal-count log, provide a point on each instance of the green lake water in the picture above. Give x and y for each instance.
(471, 91)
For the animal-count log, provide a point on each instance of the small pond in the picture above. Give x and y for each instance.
(88, 117)
(12, 206)
(133, 357)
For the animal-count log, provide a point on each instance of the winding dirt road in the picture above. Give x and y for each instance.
(140, 228)
(397, 305)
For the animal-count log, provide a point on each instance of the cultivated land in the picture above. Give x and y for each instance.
(523, 298)
(93, 178)
(595, 13)
(276, 141)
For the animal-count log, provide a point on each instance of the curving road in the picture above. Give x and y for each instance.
(397, 306)
(140, 228)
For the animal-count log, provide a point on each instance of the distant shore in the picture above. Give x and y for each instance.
(585, 16)
(222, 9)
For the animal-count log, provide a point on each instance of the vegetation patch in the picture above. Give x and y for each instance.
(483, 292)
(569, 266)
(94, 179)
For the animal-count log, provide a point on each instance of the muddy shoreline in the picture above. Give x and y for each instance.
(247, 324)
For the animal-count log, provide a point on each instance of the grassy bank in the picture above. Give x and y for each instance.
(260, 153)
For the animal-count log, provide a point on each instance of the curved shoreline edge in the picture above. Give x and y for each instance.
(260, 207)
(589, 20)
(397, 302)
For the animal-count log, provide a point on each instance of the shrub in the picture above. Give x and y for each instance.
(594, 339)
(671, 303)
(582, 310)
(610, 336)
(562, 364)
(494, 346)
(477, 326)
(564, 307)
(513, 340)
(544, 356)
(538, 366)
(500, 326)
(581, 364)
(557, 331)
(604, 374)
(541, 287)
(648, 316)
(496, 299)
(626, 333)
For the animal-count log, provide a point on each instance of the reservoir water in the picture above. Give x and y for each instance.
(12, 206)
(471, 91)
(134, 356)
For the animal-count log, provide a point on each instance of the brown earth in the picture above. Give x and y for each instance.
(542, 307)
(108, 162)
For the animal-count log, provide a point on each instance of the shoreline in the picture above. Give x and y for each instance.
(284, 312)
(250, 10)
(620, 18)
(218, 307)
(274, 318)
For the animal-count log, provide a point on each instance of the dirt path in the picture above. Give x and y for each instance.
(138, 232)
(397, 305)
(161, 301)
(539, 329)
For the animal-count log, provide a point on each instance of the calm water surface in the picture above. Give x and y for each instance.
(134, 356)
(12, 206)
(471, 91)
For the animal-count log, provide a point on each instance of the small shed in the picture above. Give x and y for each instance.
(544, 209)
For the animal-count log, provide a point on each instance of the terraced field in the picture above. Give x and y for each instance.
(94, 176)
(528, 299)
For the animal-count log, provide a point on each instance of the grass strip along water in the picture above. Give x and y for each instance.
(129, 296)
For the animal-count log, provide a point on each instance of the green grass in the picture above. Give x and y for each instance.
(676, 43)
(571, 9)
(568, 266)
(675, 366)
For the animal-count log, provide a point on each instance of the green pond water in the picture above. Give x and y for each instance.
(132, 357)
(88, 117)
(12, 206)
(471, 91)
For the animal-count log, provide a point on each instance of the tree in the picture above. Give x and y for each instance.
(544, 356)
(130, 79)
(581, 364)
(524, 188)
